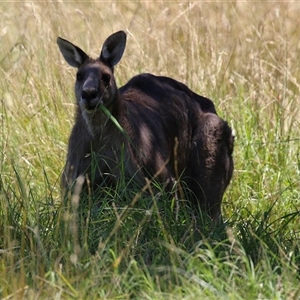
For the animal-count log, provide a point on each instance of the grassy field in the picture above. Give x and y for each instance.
(243, 55)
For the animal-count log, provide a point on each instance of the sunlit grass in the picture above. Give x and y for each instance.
(244, 56)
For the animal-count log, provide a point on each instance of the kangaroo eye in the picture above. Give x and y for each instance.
(105, 78)
(79, 76)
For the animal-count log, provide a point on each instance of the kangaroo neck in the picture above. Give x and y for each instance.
(100, 124)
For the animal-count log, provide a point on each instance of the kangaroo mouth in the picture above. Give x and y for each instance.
(91, 106)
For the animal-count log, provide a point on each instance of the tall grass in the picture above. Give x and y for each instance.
(244, 56)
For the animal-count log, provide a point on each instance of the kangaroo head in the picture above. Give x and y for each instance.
(95, 83)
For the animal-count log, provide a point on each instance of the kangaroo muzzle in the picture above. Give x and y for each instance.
(90, 98)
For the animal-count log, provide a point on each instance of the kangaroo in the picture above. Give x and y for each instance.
(154, 125)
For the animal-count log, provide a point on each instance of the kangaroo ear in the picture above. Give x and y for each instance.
(113, 48)
(73, 55)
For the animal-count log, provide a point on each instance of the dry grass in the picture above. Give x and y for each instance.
(242, 54)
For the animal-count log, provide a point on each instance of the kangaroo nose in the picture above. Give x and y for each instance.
(88, 94)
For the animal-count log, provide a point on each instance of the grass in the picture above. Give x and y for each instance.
(244, 56)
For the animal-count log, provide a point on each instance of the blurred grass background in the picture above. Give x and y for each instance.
(244, 55)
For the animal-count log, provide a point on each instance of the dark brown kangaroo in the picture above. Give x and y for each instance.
(169, 130)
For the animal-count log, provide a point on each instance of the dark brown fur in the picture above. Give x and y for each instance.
(171, 130)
